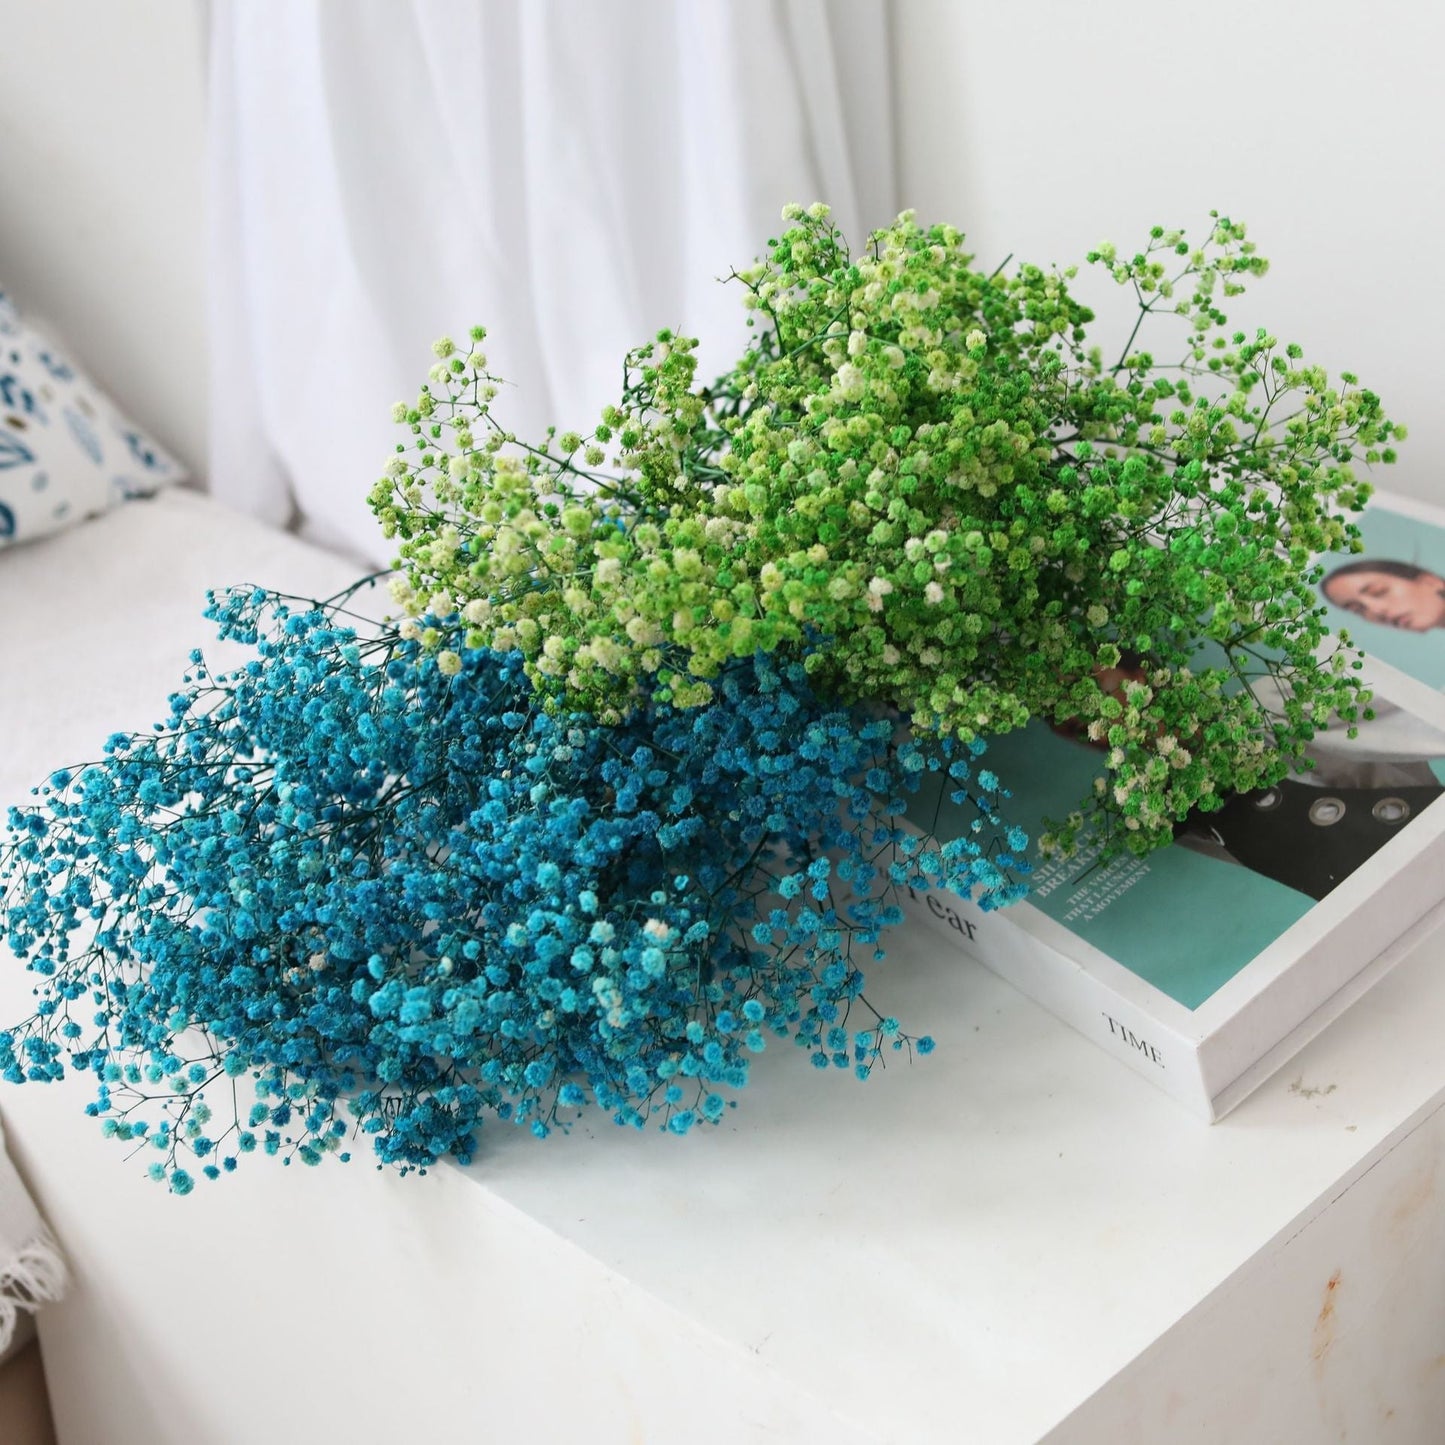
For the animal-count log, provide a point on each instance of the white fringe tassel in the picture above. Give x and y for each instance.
(34, 1275)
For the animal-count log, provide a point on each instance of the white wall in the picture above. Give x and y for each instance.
(1042, 127)
(102, 112)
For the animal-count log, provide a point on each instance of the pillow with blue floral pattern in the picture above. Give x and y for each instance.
(66, 452)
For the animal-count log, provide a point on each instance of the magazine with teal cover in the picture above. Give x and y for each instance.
(1190, 916)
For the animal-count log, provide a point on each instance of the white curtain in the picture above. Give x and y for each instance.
(572, 174)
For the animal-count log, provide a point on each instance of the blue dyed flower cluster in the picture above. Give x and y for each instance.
(391, 901)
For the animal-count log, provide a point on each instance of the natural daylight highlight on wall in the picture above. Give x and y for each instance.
(1043, 127)
(102, 147)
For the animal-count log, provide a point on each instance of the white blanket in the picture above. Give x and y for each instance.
(32, 1272)
(96, 622)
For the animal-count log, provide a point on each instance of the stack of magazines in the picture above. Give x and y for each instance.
(1208, 964)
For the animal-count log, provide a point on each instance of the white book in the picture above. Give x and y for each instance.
(1208, 964)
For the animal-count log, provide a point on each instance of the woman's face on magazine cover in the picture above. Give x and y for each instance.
(1415, 604)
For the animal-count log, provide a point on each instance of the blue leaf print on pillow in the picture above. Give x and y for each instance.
(14, 395)
(142, 450)
(13, 453)
(7, 521)
(84, 433)
(57, 366)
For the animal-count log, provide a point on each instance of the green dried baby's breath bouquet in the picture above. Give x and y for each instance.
(921, 478)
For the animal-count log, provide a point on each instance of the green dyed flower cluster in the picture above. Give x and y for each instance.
(922, 479)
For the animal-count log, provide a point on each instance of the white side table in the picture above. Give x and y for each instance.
(1015, 1239)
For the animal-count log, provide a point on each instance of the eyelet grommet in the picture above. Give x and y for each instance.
(1326, 811)
(1391, 810)
(1270, 798)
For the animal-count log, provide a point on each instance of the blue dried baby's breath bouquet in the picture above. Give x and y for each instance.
(343, 891)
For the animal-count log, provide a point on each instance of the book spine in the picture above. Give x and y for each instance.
(1007, 946)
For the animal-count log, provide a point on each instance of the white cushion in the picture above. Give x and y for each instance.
(66, 452)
